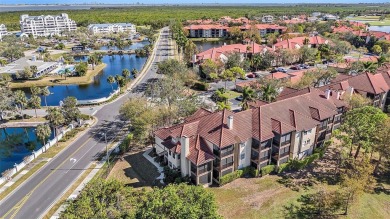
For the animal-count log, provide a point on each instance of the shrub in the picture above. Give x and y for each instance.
(85, 117)
(230, 177)
(267, 170)
(201, 86)
(254, 172)
(283, 167)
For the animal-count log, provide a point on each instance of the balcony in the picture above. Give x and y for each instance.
(219, 168)
(284, 155)
(322, 128)
(285, 143)
(224, 154)
(264, 159)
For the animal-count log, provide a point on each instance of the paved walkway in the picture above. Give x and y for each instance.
(23, 172)
(151, 160)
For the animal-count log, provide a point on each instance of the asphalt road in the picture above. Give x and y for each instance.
(36, 195)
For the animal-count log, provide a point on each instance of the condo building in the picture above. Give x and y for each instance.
(46, 25)
(3, 31)
(112, 28)
(209, 145)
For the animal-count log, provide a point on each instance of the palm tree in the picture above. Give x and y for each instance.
(369, 67)
(269, 92)
(66, 72)
(45, 92)
(43, 133)
(35, 102)
(248, 94)
(381, 60)
(20, 100)
(111, 80)
(34, 69)
(126, 73)
(134, 72)
(3, 62)
(55, 118)
(35, 90)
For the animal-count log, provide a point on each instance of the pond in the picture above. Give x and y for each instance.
(205, 45)
(99, 87)
(380, 28)
(134, 46)
(15, 144)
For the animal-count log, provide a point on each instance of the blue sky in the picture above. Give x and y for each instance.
(180, 1)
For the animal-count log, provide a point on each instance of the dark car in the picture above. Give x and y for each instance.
(296, 67)
(304, 66)
(251, 75)
(239, 98)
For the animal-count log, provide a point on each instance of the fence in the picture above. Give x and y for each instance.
(99, 100)
(26, 160)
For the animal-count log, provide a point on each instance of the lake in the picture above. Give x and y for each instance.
(134, 46)
(205, 45)
(380, 28)
(24, 141)
(99, 87)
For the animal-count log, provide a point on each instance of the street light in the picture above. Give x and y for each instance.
(107, 158)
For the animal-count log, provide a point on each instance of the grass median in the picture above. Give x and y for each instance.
(58, 80)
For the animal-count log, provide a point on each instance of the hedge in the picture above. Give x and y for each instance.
(283, 167)
(230, 177)
(267, 170)
(237, 174)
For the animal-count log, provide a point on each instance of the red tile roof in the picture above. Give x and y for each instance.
(215, 53)
(299, 42)
(301, 111)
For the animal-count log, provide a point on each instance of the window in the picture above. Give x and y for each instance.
(174, 155)
(265, 154)
(242, 156)
(178, 156)
(265, 144)
(170, 164)
(306, 142)
(170, 153)
(285, 138)
(226, 172)
(227, 151)
(254, 155)
(284, 150)
(216, 150)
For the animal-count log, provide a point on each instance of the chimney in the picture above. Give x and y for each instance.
(185, 151)
(338, 95)
(327, 94)
(230, 122)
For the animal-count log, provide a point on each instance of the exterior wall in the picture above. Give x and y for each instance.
(110, 28)
(159, 147)
(173, 160)
(207, 33)
(303, 143)
(244, 158)
(46, 25)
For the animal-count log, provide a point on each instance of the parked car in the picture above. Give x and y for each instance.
(251, 75)
(239, 98)
(257, 74)
(304, 66)
(281, 69)
(296, 67)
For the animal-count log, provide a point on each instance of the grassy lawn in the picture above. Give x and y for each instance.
(232, 94)
(58, 80)
(32, 119)
(57, 56)
(265, 198)
(134, 170)
(372, 20)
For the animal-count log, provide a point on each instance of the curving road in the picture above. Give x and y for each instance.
(36, 195)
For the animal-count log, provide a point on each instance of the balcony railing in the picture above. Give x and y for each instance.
(226, 166)
(200, 171)
(284, 154)
(323, 128)
(264, 159)
(224, 154)
(285, 143)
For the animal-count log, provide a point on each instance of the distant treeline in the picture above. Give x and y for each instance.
(162, 15)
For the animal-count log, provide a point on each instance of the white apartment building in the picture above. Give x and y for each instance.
(112, 28)
(267, 19)
(3, 31)
(46, 25)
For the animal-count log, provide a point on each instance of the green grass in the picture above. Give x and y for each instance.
(372, 20)
(205, 39)
(232, 94)
(265, 198)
